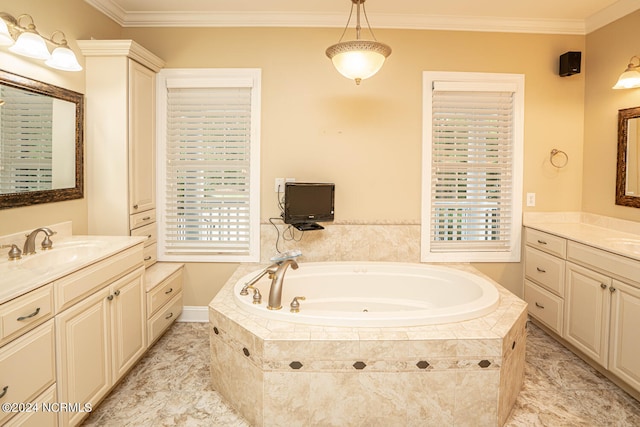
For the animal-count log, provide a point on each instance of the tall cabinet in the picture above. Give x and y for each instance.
(120, 135)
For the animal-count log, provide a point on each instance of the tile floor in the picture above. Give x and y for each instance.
(170, 387)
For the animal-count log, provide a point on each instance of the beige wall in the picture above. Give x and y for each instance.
(316, 125)
(610, 49)
(77, 20)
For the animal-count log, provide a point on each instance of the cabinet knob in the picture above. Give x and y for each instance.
(603, 286)
(110, 297)
(612, 289)
(135, 206)
(116, 293)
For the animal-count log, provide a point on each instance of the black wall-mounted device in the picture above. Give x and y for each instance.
(570, 64)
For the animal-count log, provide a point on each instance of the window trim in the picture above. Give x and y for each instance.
(513, 254)
(211, 77)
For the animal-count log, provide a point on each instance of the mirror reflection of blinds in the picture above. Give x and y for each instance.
(208, 148)
(471, 179)
(26, 149)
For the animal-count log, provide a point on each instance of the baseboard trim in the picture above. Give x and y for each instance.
(192, 313)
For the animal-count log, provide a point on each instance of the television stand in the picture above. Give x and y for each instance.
(307, 226)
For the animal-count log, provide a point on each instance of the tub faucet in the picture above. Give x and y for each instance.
(271, 271)
(30, 243)
(275, 293)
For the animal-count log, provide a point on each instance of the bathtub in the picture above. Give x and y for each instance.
(374, 294)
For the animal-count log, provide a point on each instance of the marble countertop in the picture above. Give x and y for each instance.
(615, 236)
(31, 272)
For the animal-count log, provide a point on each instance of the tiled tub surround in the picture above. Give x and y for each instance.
(278, 373)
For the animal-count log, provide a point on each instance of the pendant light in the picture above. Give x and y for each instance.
(358, 59)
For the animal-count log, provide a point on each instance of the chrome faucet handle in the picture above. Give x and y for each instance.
(14, 253)
(295, 304)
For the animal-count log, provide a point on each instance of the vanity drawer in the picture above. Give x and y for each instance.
(148, 231)
(76, 286)
(546, 242)
(150, 254)
(143, 218)
(604, 262)
(544, 306)
(162, 293)
(545, 269)
(25, 312)
(28, 366)
(164, 318)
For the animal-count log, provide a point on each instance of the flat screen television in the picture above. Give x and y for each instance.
(307, 203)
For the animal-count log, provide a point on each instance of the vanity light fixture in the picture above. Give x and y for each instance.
(631, 77)
(358, 59)
(23, 39)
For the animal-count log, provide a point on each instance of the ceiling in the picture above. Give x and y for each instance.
(531, 16)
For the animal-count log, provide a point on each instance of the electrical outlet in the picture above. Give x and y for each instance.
(531, 199)
(279, 186)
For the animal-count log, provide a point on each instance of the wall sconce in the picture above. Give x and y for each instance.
(26, 41)
(358, 59)
(631, 77)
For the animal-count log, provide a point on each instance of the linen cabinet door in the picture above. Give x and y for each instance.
(624, 358)
(586, 317)
(84, 362)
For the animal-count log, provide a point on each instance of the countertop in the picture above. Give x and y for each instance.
(610, 235)
(24, 275)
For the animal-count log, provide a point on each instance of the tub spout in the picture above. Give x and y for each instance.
(271, 271)
(275, 293)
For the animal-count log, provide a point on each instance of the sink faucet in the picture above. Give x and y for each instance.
(275, 293)
(30, 245)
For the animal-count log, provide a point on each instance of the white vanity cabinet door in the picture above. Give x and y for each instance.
(84, 360)
(586, 317)
(624, 357)
(128, 322)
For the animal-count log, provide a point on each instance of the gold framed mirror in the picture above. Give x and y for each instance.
(628, 171)
(41, 142)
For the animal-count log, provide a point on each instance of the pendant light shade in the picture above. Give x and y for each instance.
(63, 58)
(358, 59)
(31, 45)
(5, 35)
(631, 77)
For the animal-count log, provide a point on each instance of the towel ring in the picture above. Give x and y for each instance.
(558, 163)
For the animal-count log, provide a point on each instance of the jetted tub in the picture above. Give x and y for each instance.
(374, 294)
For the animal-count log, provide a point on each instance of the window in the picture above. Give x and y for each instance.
(209, 165)
(472, 167)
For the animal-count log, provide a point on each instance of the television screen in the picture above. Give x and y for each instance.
(308, 202)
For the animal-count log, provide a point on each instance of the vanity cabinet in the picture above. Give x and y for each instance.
(120, 140)
(27, 352)
(589, 297)
(100, 328)
(545, 277)
(164, 283)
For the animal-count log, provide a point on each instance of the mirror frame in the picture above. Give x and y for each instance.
(621, 195)
(28, 198)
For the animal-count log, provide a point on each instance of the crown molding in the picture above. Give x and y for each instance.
(389, 21)
(127, 48)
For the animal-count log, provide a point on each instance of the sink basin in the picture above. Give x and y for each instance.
(62, 253)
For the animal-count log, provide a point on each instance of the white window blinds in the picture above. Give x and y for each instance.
(209, 197)
(27, 141)
(473, 184)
